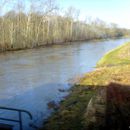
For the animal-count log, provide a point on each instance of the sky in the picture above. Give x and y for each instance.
(111, 11)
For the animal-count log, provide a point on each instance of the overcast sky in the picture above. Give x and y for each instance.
(117, 11)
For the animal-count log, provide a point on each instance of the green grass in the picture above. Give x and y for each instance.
(71, 111)
(118, 56)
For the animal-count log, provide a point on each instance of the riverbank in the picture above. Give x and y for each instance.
(58, 43)
(93, 99)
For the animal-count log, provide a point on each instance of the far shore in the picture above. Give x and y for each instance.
(60, 44)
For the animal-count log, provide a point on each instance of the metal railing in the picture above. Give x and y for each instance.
(19, 120)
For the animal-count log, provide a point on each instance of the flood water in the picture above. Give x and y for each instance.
(29, 79)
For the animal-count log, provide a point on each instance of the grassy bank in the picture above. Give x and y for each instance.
(118, 56)
(114, 67)
(71, 111)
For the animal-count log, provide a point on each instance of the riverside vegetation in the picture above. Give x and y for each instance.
(101, 98)
(43, 23)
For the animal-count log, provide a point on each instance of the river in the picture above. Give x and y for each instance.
(29, 79)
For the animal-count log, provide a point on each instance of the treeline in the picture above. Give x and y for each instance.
(37, 23)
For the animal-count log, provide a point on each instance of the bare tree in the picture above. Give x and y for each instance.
(40, 22)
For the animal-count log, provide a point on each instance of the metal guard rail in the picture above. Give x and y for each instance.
(20, 111)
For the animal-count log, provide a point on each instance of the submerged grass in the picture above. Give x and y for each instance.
(113, 67)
